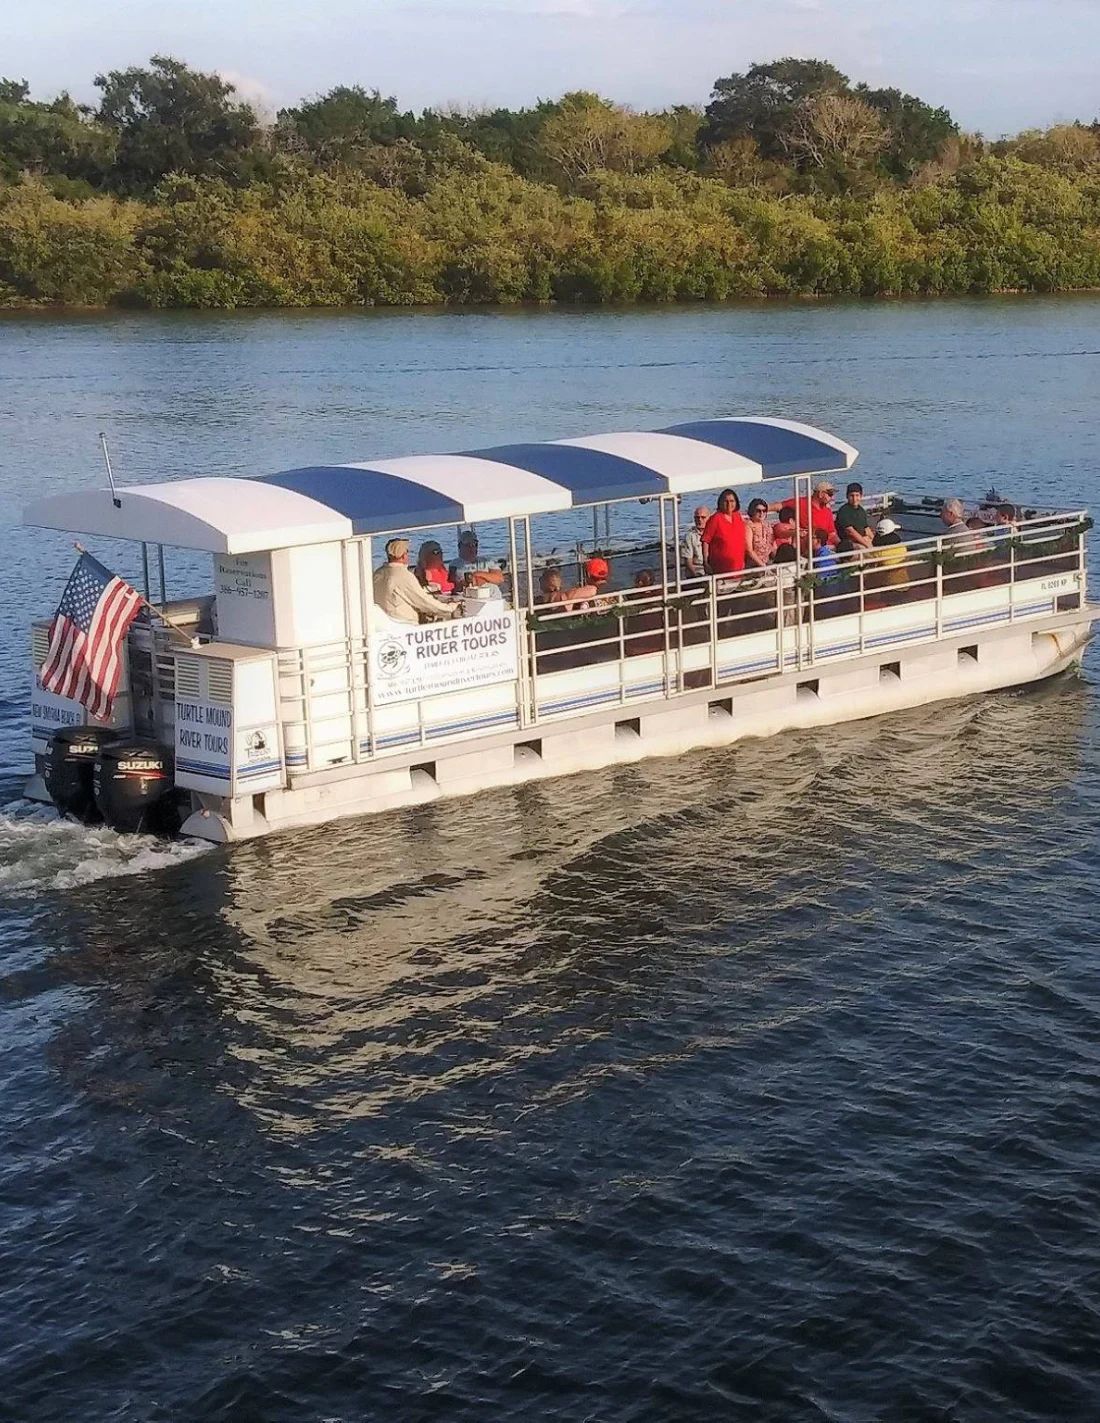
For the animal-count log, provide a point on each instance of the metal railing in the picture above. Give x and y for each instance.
(666, 641)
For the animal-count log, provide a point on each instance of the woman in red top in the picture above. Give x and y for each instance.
(724, 536)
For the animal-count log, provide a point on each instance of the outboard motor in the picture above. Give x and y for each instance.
(69, 765)
(135, 788)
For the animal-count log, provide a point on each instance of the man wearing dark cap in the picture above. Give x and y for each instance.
(399, 595)
(472, 571)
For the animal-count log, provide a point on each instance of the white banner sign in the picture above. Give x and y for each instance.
(246, 612)
(49, 712)
(408, 661)
(204, 738)
(209, 749)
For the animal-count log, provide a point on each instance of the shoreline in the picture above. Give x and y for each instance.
(777, 299)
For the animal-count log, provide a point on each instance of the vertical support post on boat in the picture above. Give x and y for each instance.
(712, 614)
(307, 703)
(145, 573)
(800, 568)
(349, 656)
(1012, 580)
(163, 583)
(939, 587)
(522, 679)
(665, 656)
(366, 609)
(861, 571)
(621, 633)
(529, 634)
(679, 590)
(607, 524)
(595, 525)
(1082, 566)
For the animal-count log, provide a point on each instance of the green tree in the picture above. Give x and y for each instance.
(504, 135)
(683, 124)
(1067, 147)
(917, 132)
(169, 118)
(339, 126)
(836, 135)
(59, 138)
(763, 103)
(589, 133)
(76, 254)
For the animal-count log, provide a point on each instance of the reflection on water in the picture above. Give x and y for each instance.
(378, 959)
(474, 1093)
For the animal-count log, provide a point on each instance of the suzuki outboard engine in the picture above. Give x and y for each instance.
(69, 765)
(135, 788)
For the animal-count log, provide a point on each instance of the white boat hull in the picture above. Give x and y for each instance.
(824, 694)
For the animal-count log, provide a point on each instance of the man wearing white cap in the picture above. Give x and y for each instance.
(399, 595)
(889, 554)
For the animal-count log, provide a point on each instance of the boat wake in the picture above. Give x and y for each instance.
(41, 850)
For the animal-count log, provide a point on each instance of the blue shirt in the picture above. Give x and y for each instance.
(825, 562)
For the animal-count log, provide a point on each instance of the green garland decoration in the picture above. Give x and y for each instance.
(617, 612)
(1063, 542)
(600, 619)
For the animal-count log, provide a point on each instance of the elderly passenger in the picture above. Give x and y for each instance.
(953, 518)
(691, 547)
(399, 595)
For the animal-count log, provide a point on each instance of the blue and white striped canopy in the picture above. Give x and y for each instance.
(319, 503)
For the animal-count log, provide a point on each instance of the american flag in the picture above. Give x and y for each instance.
(86, 635)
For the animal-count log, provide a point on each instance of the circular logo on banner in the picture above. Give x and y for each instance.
(392, 656)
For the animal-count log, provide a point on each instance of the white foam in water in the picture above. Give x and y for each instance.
(41, 850)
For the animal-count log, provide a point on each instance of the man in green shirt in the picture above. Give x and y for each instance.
(853, 527)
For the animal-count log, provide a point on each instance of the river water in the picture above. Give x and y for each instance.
(758, 1084)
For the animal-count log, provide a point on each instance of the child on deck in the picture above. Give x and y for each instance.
(826, 564)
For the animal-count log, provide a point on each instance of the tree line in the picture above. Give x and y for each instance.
(792, 180)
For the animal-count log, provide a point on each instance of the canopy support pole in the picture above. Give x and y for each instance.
(366, 614)
(163, 584)
(525, 630)
(145, 571)
(523, 679)
(662, 503)
(679, 580)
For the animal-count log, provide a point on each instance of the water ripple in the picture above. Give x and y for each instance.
(758, 1085)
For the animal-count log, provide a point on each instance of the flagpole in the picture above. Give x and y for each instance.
(115, 500)
(172, 629)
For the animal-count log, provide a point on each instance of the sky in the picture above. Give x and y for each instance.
(998, 65)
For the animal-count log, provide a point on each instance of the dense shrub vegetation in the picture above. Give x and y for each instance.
(172, 193)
